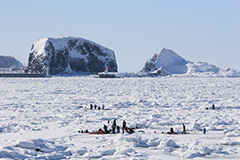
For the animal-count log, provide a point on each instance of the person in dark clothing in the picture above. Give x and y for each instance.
(118, 129)
(124, 126)
(114, 126)
(130, 130)
(171, 130)
(103, 107)
(95, 106)
(213, 107)
(99, 108)
(105, 129)
(91, 106)
(204, 130)
(100, 131)
(184, 129)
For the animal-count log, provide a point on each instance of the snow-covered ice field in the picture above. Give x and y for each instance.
(40, 118)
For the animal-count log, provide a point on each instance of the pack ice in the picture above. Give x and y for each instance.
(41, 118)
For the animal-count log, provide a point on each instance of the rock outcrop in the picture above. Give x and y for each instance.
(8, 61)
(168, 60)
(172, 63)
(68, 55)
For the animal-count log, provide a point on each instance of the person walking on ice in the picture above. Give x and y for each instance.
(124, 126)
(213, 107)
(184, 129)
(114, 126)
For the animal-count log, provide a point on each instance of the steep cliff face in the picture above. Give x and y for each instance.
(8, 61)
(172, 63)
(67, 55)
(168, 60)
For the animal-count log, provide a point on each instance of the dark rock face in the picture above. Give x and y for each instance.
(67, 55)
(8, 61)
(168, 60)
(150, 65)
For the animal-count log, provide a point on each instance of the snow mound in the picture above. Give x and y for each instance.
(233, 134)
(168, 145)
(138, 141)
(198, 149)
(41, 146)
(205, 69)
(35, 149)
(81, 151)
(99, 152)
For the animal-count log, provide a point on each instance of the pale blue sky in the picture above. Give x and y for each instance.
(198, 30)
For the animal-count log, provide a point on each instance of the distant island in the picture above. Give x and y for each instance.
(69, 55)
(78, 56)
(10, 64)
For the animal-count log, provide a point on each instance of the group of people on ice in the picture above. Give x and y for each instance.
(172, 132)
(97, 107)
(113, 129)
(184, 127)
(213, 107)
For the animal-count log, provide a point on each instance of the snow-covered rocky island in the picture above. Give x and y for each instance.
(72, 55)
(167, 62)
(172, 63)
(69, 55)
(10, 66)
(8, 61)
(173, 108)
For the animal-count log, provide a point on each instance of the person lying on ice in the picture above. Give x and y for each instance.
(100, 131)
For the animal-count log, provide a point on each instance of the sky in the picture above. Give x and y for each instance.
(197, 30)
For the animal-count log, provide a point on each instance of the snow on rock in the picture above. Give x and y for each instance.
(67, 55)
(168, 60)
(172, 63)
